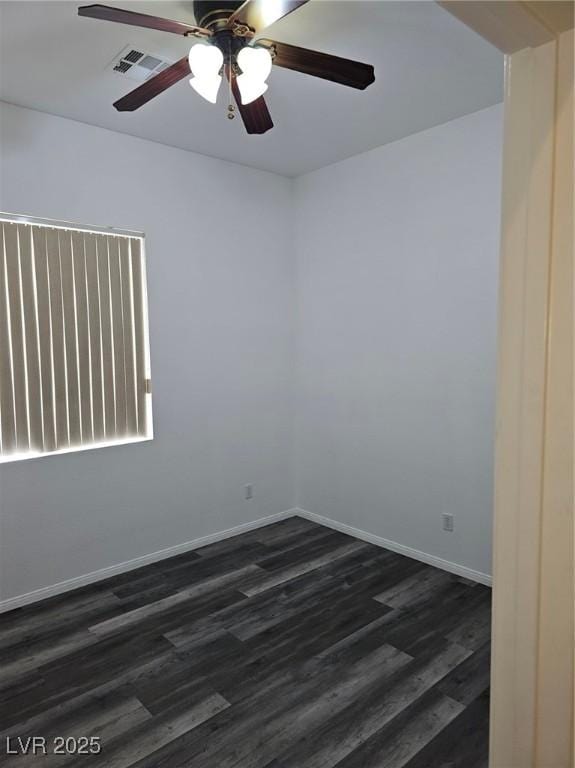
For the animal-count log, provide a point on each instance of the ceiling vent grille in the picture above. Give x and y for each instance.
(133, 56)
(137, 65)
(122, 66)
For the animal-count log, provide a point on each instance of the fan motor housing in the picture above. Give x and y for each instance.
(213, 14)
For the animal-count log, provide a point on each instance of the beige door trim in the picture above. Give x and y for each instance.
(511, 25)
(523, 310)
(554, 741)
(532, 698)
(532, 662)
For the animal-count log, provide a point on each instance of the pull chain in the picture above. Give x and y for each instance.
(231, 108)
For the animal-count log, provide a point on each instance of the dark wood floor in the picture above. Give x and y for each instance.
(292, 646)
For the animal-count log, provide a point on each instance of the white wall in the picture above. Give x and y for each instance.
(389, 281)
(397, 280)
(220, 283)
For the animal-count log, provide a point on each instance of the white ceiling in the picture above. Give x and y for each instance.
(429, 69)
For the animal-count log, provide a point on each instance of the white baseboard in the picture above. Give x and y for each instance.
(113, 570)
(438, 562)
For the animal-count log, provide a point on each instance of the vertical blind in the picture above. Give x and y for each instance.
(73, 339)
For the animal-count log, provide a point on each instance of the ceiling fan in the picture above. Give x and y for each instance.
(228, 29)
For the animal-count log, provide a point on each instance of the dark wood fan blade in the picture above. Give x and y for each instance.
(338, 70)
(259, 14)
(107, 13)
(154, 86)
(255, 115)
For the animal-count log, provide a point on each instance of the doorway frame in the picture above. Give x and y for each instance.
(532, 688)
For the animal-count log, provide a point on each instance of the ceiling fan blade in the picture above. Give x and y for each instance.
(107, 13)
(255, 115)
(259, 14)
(154, 86)
(324, 65)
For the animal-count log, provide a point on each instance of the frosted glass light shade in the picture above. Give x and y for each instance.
(256, 65)
(207, 87)
(205, 60)
(255, 62)
(205, 63)
(250, 89)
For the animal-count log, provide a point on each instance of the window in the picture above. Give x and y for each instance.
(74, 359)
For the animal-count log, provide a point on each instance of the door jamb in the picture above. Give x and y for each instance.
(532, 692)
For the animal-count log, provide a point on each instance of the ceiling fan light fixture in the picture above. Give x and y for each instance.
(232, 29)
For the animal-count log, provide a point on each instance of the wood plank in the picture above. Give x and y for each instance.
(171, 665)
(463, 744)
(406, 734)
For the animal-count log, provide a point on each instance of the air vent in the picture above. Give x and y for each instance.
(133, 56)
(138, 65)
(122, 66)
(150, 62)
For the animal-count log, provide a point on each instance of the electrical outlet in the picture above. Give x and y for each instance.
(248, 491)
(447, 521)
